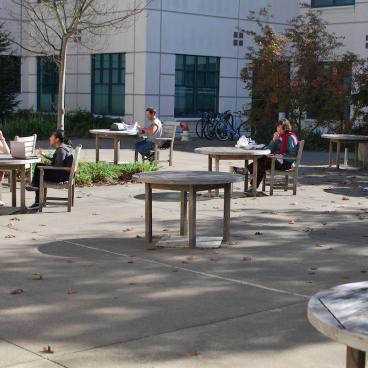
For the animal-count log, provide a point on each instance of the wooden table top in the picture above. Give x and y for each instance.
(346, 137)
(341, 314)
(8, 160)
(188, 178)
(231, 151)
(108, 132)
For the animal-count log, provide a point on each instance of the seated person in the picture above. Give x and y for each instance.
(284, 142)
(62, 157)
(153, 129)
(4, 149)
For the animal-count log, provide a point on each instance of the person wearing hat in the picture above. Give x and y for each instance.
(152, 129)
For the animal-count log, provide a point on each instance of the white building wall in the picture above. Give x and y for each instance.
(168, 28)
(351, 23)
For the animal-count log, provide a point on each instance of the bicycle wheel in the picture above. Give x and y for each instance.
(244, 129)
(199, 128)
(221, 131)
(209, 130)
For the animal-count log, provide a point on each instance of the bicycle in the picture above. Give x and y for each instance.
(205, 127)
(225, 128)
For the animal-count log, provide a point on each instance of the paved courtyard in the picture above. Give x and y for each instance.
(108, 299)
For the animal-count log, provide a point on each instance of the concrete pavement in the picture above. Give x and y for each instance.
(108, 299)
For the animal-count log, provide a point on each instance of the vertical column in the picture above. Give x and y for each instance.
(192, 217)
(148, 199)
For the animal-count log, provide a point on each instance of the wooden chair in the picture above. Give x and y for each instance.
(168, 135)
(69, 185)
(293, 172)
(30, 143)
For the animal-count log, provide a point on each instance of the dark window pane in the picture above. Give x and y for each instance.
(325, 3)
(196, 89)
(108, 84)
(47, 85)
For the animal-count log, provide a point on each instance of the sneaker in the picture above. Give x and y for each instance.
(34, 206)
(31, 188)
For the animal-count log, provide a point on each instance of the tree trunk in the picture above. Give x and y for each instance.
(300, 124)
(61, 96)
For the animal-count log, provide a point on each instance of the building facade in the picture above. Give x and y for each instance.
(348, 19)
(183, 57)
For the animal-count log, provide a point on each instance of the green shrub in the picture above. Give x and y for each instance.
(77, 124)
(104, 173)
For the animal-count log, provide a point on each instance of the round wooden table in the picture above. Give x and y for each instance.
(341, 139)
(8, 163)
(232, 153)
(341, 314)
(116, 136)
(188, 182)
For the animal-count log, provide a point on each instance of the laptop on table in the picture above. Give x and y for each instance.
(18, 150)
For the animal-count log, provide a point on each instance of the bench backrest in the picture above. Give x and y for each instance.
(74, 168)
(29, 142)
(300, 154)
(169, 130)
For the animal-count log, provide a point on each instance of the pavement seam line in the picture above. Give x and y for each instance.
(205, 274)
(31, 352)
(166, 332)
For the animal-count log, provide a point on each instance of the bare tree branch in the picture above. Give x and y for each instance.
(50, 25)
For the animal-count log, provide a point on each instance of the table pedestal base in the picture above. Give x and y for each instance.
(202, 242)
(355, 358)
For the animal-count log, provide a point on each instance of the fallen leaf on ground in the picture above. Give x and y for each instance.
(47, 350)
(258, 233)
(139, 237)
(247, 259)
(15, 219)
(345, 198)
(17, 292)
(71, 291)
(9, 236)
(128, 229)
(192, 354)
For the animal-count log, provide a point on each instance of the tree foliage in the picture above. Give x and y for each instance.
(8, 77)
(300, 71)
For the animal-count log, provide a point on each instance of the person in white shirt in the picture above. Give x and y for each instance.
(152, 129)
(4, 148)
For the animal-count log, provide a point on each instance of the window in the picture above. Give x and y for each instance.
(10, 68)
(196, 85)
(326, 3)
(47, 85)
(108, 84)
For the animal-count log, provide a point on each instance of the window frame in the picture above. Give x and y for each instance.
(196, 83)
(110, 83)
(314, 4)
(41, 85)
